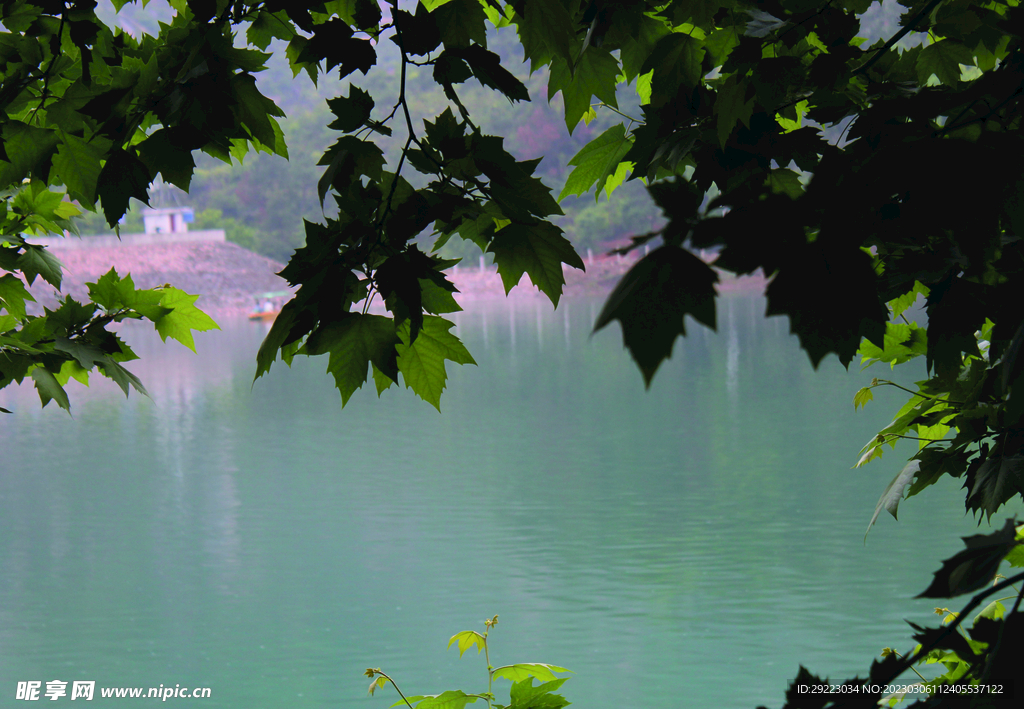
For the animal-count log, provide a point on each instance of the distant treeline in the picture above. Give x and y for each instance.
(262, 202)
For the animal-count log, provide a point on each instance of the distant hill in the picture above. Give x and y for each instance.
(226, 276)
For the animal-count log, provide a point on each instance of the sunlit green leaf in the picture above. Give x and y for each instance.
(522, 671)
(422, 363)
(183, 318)
(467, 639)
(596, 162)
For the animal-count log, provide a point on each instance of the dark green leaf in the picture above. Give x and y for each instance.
(974, 567)
(28, 151)
(538, 250)
(676, 62)
(652, 299)
(733, 106)
(77, 163)
(943, 58)
(993, 480)
(13, 295)
(352, 112)
(547, 23)
(422, 362)
(347, 160)
(49, 388)
(123, 177)
(461, 21)
(420, 34)
(354, 342)
(37, 261)
(596, 162)
(168, 151)
(486, 67)
(595, 75)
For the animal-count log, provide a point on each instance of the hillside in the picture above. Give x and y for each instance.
(228, 277)
(224, 274)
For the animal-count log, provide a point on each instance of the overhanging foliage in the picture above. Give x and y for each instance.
(923, 194)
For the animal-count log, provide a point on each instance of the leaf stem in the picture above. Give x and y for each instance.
(393, 684)
(490, 671)
(909, 661)
(897, 37)
(602, 104)
(899, 656)
(917, 393)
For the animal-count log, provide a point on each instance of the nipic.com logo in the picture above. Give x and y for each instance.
(58, 689)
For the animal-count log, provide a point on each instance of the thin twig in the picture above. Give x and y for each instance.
(897, 37)
(949, 629)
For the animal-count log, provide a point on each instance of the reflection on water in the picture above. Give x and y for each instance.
(704, 537)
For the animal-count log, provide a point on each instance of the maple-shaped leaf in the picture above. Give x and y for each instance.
(120, 376)
(546, 28)
(595, 75)
(334, 44)
(123, 176)
(77, 163)
(452, 699)
(347, 160)
(183, 318)
(49, 388)
(351, 113)
(398, 282)
(596, 162)
(269, 26)
(762, 24)
(512, 186)
(28, 150)
(651, 300)
(253, 109)
(936, 462)
(676, 62)
(486, 67)
(974, 567)
(538, 250)
(943, 58)
(993, 481)
(637, 47)
(459, 22)
(419, 33)
(13, 295)
(845, 309)
(797, 695)
(734, 104)
(37, 261)
(525, 670)
(169, 152)
(467, 639)
(422, 362)
(354, 342)
(524, 694)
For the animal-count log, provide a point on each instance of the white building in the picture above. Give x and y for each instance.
(167, 220)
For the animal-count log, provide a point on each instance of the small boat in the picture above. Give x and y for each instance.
(268, 306)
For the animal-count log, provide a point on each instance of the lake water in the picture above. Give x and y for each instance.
(686, 546)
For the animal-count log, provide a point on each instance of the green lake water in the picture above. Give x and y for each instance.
(690, 545)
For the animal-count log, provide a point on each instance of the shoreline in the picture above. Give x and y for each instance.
(227, 277)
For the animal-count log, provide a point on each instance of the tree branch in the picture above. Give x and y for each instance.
(897, 37)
